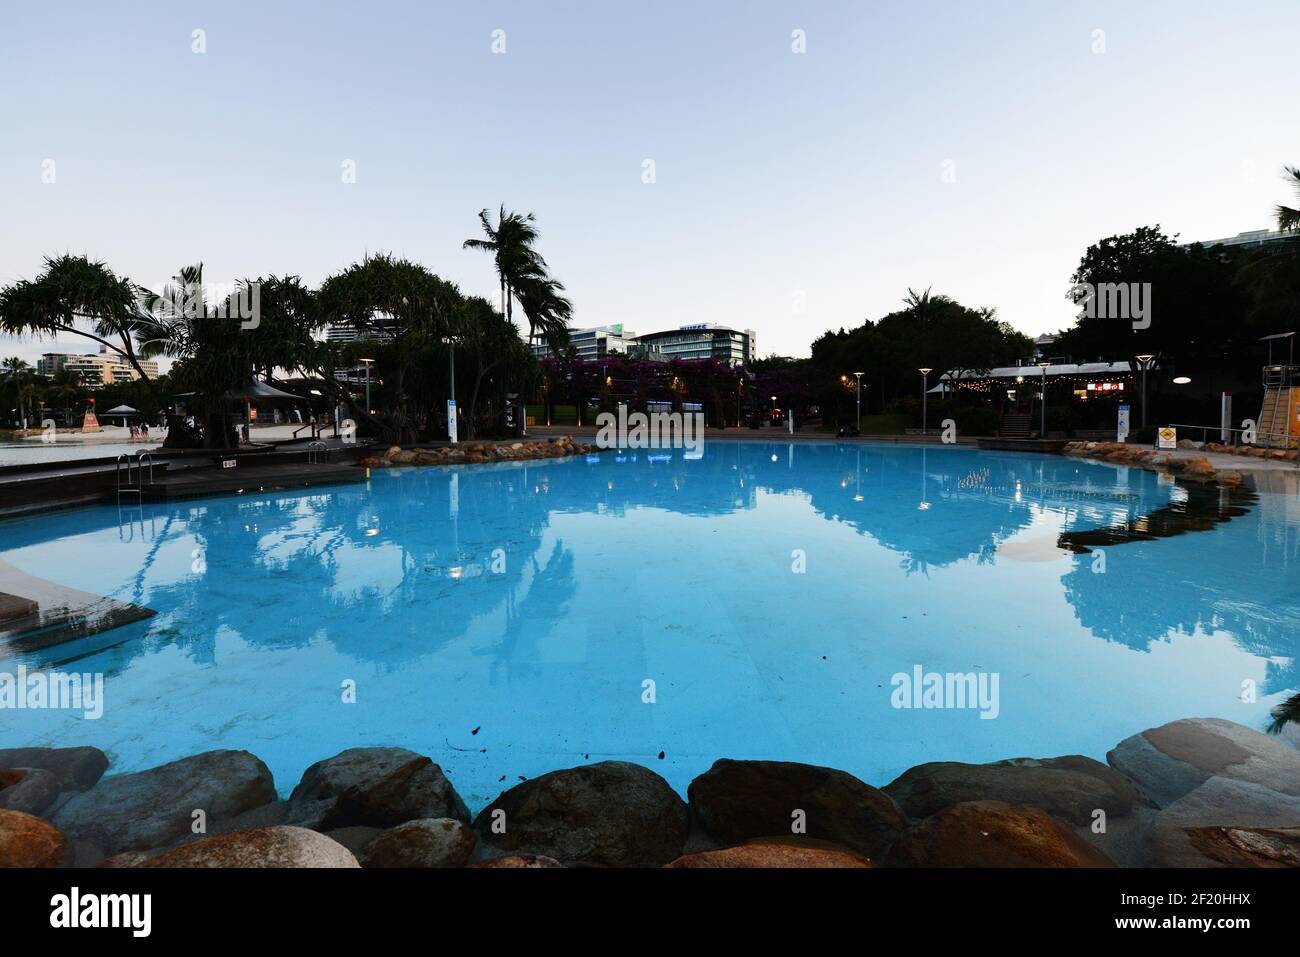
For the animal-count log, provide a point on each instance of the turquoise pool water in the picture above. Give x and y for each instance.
(532, 602)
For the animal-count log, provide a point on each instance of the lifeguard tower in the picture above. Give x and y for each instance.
(1278, 425)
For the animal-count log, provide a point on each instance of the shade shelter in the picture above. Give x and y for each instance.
(123, 412)
(257, 391)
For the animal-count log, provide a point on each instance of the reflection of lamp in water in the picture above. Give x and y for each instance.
(923, 505)
(858, 496)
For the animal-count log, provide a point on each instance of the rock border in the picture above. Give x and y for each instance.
(1198, 792)
(477, 453)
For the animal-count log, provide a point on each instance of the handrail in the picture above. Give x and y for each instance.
(1280, 376)
(317, 452)
(126, 460)
(140, 459)
(1206, 429)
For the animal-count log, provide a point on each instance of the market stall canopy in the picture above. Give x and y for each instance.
(121, 410)
(1055, 369)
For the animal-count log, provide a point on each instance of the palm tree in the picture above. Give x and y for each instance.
(547, 311)
(1288, 219)
(523, 273)
(15, 370)
(65, 387)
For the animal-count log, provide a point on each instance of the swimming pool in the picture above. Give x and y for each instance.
(754, 602)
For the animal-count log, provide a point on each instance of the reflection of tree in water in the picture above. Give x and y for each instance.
(314, 540)
(258, 547)
(1228, 583)
(544, 603)
(937, 508)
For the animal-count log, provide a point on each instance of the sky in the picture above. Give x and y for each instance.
(976, 149)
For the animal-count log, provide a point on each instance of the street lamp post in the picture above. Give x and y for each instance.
(1144, 363)
(925, 400)
(858, 376)
(367, 363)
(1042, 399)
(451, 401)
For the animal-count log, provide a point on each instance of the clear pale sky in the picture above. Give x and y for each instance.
(779, 175)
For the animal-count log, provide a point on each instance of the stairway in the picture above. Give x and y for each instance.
(1280, 394)
(1275, 418)
(1015, 425)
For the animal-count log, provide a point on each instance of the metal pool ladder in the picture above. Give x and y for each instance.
(317, 452)
(130, 474)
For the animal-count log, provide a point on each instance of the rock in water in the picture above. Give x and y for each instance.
(155, 808)
(993, 834)
(27, 841)
(1248, 846)
(262, 848)
(433, 842)
(610, 814)
(1218, 803)
(736, 801)
(76, 768)
(1171, 761)
(519, 861)
(30, 790)
(775, 852)
(373, 787)
(1069, 787)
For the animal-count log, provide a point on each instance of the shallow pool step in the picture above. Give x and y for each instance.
(36, 614)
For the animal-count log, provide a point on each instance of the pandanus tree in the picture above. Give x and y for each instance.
(79, 297)
(400, 303)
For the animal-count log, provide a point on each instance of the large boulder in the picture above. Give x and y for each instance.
(268, 847)
(433, 842)
(1218, 803)
(1169, 762)
(155, 808)
(735, 801)
(775, 852)
(30, 790)
(609, 814)
(27, 841)
(1070, 787)
(373, 787)
(518, 861)
(76, 768)
(993, 834)
(1248, 846)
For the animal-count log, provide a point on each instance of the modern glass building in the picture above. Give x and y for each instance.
(594, 343)
(703, 341)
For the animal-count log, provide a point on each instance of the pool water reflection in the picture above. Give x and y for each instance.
(769, 591)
